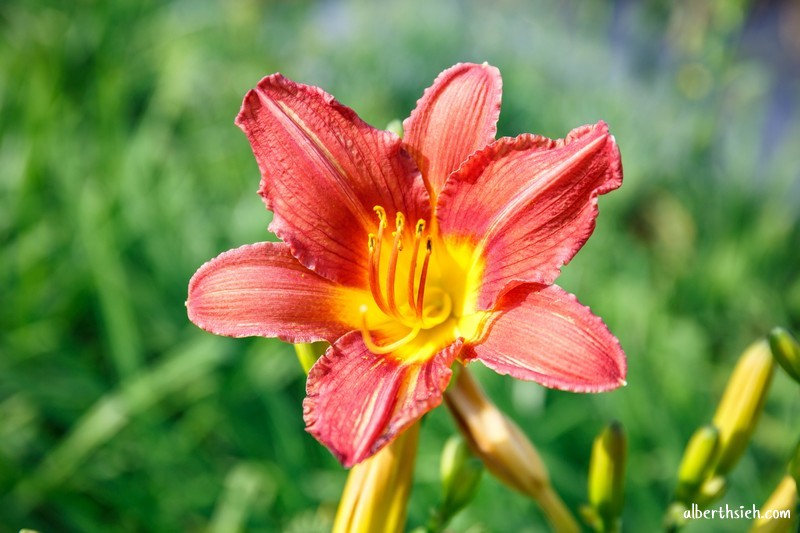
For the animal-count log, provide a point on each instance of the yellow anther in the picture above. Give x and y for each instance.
(400, 221)
(371, 241)
(381, 212)
(420, 227)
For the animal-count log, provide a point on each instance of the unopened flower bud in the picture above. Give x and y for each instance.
(786, 350)
(607, 476)
(742, 403)
(461, 474)
(784, 498)
(308, 353)
(698, 459)
(711, 490)
(396, 127)
(504, 449)
(375, 496)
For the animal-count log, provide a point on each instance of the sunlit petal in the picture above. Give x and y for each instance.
(456, 116)
(261, 290)
(323, 170)
(545, 335)
(528, 205)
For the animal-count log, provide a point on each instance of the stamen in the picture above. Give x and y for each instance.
(379, 350)
(423, 275)
(397, 247)
(413, 268)
(375, 260)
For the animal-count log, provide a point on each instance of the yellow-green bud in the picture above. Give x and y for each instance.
(698, 459)
(396, 127)
(786, 350)
(461, 474)
(742, 403)
(607, 475)
(308, 353)
(711, 490)
(784, 498)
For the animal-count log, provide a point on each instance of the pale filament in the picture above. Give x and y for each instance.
(387, 302)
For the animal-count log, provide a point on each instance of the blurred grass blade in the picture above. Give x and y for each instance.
(242, 486)
(114, 410)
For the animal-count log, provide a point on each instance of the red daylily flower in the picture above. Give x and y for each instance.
(408, 255)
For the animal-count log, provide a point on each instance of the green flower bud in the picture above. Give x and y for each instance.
(308, 353)
(607, 476)
(461, 474)
(698, 459)
(711, 490)
(396, 127)
(742, 402)
(786, 350)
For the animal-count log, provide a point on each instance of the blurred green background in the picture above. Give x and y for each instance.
(121, 172)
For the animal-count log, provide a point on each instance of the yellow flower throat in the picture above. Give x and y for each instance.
(409, 306)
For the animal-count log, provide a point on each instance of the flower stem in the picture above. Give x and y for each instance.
(556, 511)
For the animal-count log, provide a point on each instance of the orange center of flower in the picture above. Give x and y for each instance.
(402, 299)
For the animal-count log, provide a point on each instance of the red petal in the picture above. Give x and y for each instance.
(546, 335)
(358, 401)
(261, 290)
(323, 170)
(529, 204)
(456, 116)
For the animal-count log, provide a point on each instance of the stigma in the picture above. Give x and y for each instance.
(406, 302)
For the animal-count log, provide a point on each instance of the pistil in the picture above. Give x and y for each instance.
(423, 275)
(397, 247)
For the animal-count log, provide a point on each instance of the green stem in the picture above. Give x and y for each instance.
(308, 353)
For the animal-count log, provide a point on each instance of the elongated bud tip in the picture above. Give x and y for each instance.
(698, 459)
(607, 475)
(742, 402)
(786, 351)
